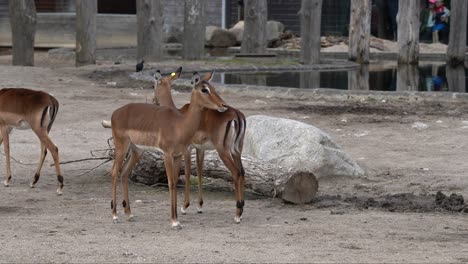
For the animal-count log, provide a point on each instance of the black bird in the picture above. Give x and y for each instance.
(139, 66)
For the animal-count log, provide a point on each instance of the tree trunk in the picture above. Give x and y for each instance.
(194, 30)
(408, 31)
(359, 31)
(290, 185)
(150, 30)
(311, 18)
(255, 14)
(456, 78)
(23, 30)
(86, 32)
(359, 79)
(407, 78)
(457, 40)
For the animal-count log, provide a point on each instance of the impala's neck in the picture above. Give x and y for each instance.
(163, 95)
(192, 117)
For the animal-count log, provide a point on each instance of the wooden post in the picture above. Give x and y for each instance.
(85, 32)
(255, 15)
(359, 79)
(311, 17)
(457, 39)
(408, 31)
(23, 30)
(407, 78)
(359, 31)
(194, 30)
(150, 31)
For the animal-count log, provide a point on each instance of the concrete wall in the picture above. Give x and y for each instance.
(58, 29)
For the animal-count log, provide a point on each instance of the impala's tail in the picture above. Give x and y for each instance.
(234, 139)
(52, 110)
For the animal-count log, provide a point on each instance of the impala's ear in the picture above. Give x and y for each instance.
(196, 79)
(176, 74)
(208, 77)
(157, 77)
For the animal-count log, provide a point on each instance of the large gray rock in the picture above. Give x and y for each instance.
(292, 144)
(218, 37)
(238, 31)
(274, 30)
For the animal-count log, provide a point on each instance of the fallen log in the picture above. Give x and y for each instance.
(289, 184)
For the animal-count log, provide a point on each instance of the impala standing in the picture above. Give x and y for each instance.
(140, 127)
(29, 109)
(223, 131)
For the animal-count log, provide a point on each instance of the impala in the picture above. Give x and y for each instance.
(29, 109)
(223, 131)
(140, 127)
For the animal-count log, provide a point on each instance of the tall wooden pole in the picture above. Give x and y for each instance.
(150, 33)
(359, 31)
(407, 77)
(23, 29)
(194, 30)
(311, 17)
(408, 31)
(255, 22)
(85, 32)
(457, 39)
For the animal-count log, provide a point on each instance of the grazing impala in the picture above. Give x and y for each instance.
(29, 109)
(140, 127)
(221, 131)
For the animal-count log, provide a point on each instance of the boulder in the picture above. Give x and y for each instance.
(274, 30)
(293, 144)
(238, 31)
(218, 37)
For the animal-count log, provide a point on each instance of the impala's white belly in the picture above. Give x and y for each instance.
(23, 125)
(149, 148)
(208, 145)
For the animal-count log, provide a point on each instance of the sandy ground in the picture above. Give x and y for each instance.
(353, 220)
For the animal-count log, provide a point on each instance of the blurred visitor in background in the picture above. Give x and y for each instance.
(438, 21)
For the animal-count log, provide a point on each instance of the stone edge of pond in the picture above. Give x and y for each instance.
(300, 93)
(327, 94)
(343, 55)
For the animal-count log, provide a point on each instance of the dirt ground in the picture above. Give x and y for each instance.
(390, 215)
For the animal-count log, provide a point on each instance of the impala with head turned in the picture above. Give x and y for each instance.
(223, 131)
(140, 127)
(29, 109)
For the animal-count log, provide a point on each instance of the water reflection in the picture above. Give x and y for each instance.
(310, 79)
(407, 78)
(380, 77)
(359, 79)
(456, 79)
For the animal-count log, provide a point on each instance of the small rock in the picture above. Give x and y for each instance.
(439, 121)
(111, 83)
(260, 102)
(344, 120)
(138, 201)
(363, 134)
(419, 126)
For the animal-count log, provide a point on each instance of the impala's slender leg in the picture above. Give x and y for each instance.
(44, 138)
(41, 162)
(169, 162)
(135, 155)
(120, 151)
(235, 172)
(200, 158)
(188, 164)
(6, 144)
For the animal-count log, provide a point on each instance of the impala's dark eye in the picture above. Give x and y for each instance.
(205, 90)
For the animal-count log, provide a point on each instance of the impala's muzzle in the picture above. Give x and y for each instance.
(224, 108)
